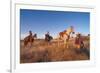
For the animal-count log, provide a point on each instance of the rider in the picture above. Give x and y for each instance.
(30, 33)
(48, 37)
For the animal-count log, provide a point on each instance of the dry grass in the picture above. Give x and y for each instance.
(41, 51)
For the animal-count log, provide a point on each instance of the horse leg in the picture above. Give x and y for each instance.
(25, 44)
(30, 44)
(66, 44)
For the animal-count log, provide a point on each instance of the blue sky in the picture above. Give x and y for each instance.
(41, 21)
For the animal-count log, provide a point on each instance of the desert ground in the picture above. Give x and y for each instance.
(41, 51)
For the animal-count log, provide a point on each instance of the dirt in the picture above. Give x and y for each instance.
(41, 51)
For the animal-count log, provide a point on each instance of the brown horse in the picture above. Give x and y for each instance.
(48, 37)
(79, 41)
(61, 34)
(29, 39)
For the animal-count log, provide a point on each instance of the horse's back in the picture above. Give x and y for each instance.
(28, 39)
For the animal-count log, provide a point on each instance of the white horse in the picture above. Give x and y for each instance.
(65, 36)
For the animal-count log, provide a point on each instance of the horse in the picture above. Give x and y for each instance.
(65, 36)
(28, 40)
(48, 38)
(79, 44)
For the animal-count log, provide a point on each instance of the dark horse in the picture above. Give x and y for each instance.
(29, 39)
(48, 38)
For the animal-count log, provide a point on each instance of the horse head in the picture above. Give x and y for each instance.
(35, 35)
